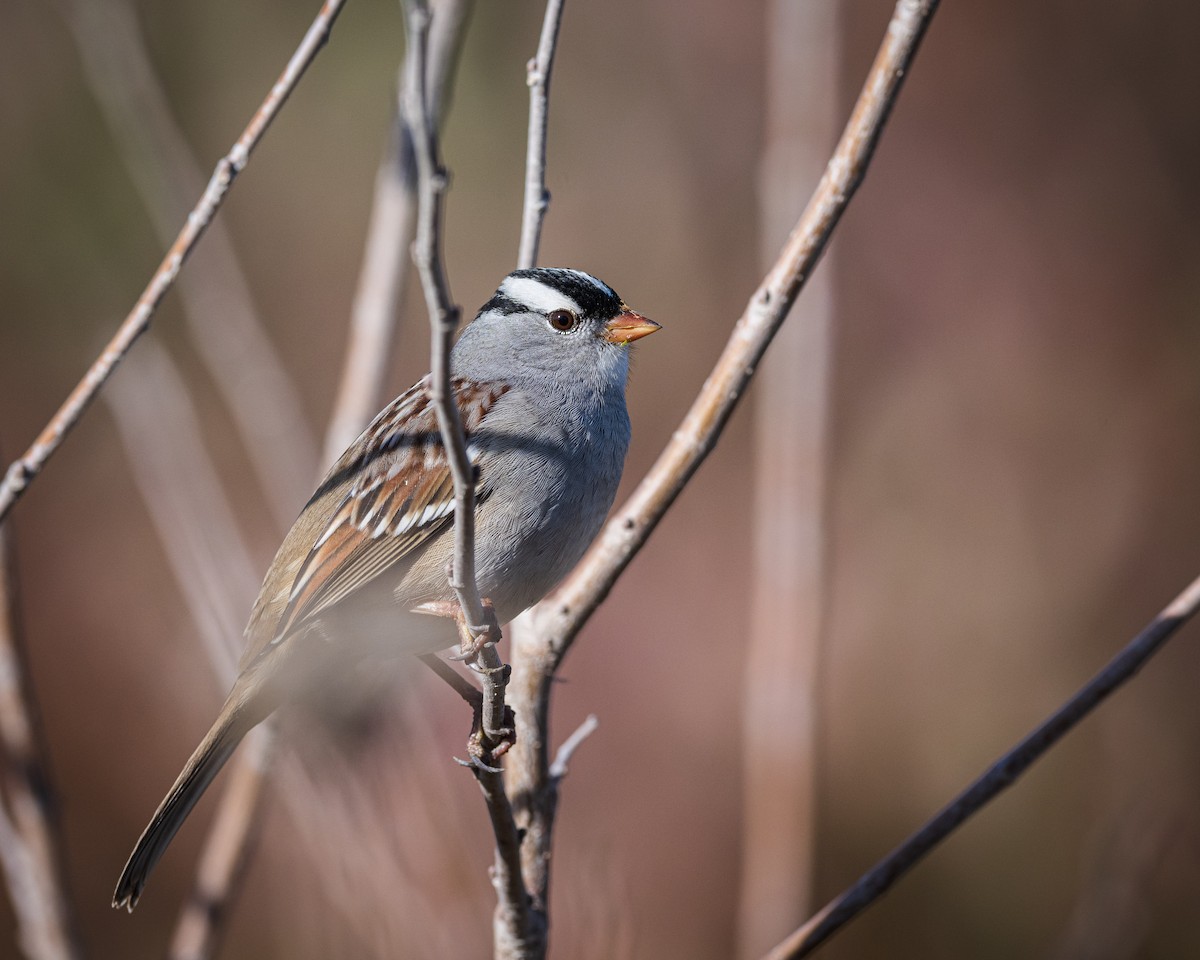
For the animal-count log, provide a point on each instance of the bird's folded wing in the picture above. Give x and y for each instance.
(402, 494)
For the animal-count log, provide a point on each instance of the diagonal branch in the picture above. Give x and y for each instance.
(22, 471)
(537, 198)
(568, 609)
(30, 836)
(219, 315)
(997, 778)
(558, 619)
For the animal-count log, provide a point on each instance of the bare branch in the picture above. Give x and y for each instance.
(443, 313)
(562, 759)
(22, 471)
(260, 395)
(511, 921)
(555, 622)
(30, 835)
(226, 851)
(537, 198)
(997, 778)
(384, 274)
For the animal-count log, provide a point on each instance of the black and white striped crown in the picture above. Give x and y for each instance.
(545, 289)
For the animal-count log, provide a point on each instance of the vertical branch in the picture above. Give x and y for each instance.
(537, 198)
(443, 312)
(22, 471)
(791, 412)
(511, 918)
(30, 835)
(384, 275)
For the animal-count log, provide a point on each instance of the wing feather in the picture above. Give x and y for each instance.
(402, 493)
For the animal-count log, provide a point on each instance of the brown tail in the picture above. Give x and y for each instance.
(205, 763)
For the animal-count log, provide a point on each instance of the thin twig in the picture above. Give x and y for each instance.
(562, 759)
(537, 198)
(22, 471)
(384, 274)
(261, 397)
(30, 835)
(557, 620)
(443, 312)
(997, 778)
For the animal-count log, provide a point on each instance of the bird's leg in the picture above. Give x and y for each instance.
(477, 646)
(471, 638)
(494, 729)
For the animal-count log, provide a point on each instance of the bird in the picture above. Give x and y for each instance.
(539, 377)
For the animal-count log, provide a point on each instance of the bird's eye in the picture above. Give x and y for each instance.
(561, 320)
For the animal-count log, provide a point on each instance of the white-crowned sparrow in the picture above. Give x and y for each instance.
(539, 377)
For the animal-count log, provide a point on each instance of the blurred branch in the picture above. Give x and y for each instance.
(511, 921)
(997, 778)
(259, 393)
(196, 525)
(537, 198)
(30, 834)
(780, 685)
(384, 275)
(226, 852)
(22, 471)
(557, 620)
(212, 566)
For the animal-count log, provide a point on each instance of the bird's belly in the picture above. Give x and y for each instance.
(526, 545)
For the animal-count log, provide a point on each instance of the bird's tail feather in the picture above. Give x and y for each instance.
(203, 765)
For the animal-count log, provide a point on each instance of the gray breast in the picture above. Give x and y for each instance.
(550, 476)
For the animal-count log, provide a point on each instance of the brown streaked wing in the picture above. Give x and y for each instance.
(403, 494)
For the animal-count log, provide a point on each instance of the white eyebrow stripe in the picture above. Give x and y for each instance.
(536, 295)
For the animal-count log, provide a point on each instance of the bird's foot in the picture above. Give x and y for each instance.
(472, 638)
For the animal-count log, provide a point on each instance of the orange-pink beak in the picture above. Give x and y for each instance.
(629, 326)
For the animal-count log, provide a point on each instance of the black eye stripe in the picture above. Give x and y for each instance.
(501, 303)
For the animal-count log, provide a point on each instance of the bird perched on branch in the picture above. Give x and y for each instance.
(539, 378)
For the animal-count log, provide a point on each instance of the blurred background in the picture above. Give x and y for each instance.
(1011, 479)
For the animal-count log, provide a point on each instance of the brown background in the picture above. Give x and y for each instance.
(1015, 467)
